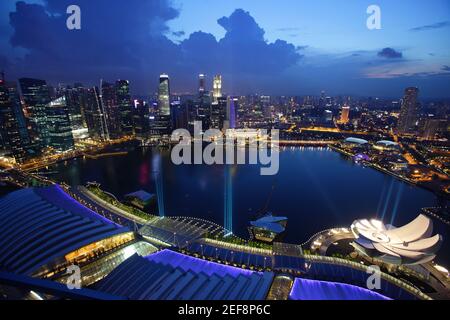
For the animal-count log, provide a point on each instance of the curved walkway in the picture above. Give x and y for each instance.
(88, 196)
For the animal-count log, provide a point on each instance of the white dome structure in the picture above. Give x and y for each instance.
(410, 244)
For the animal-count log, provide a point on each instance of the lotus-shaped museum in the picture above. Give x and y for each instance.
(410, 244)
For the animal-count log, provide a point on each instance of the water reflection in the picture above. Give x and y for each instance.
(316, 189)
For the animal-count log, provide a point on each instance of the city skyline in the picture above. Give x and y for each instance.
(237, 150)
(334, 52)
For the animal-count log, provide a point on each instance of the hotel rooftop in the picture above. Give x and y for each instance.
(44, 231)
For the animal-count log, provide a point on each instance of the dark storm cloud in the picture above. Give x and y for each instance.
(127, 39)
(390, 53)
(246, 49)
(246, 60)
(445, 68)
(117, 39)
(433, 26)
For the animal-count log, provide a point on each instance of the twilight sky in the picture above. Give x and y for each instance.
(283, 47)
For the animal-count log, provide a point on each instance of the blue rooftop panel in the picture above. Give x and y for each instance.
(59, 198)
(185, 262)
(39, 225)
(304, 289)
(170, 275)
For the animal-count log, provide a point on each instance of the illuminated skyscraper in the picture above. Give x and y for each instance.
(141, 121)
(409, 111)
(217, 88)
(201, 84)
(162, 123)
(181, 115)
(13, 131)
(322, 100)
(218, 113)
(94, 115)
(328, 116)
(58, 123)
(110, 105)
(75, 106)
(164, 95)
(36, 95)
(122, 90)
(345, 115)
(202, 107)
(230, 121)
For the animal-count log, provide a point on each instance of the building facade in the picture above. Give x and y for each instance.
(13, 131)
(124, 102)
(111, 108)
(164, 95)
(409, 111)
(58, 123)
(36, 95)
(217, 88)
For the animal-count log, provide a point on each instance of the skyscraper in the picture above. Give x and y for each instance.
(181, 115)
(409, 111)
(230, 120)
(18, 113)
(94, 114)
(76, 106)
(202, 108)
(36, 95)
(217, 88)
(141, 121)
(328, 116)
(13, 134)
(345, 114)
(58, 123)
(218, 113)
(111, 109)
(201, 84)
(125, 106)
(161, 124)
(164, 95)
(322, 100)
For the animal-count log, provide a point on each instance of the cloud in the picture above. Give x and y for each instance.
(103, 48)
(245, 50)
(246, 60)
(130, 40)
(417, 69)
(138, 48)
(390, 53)
(433, 26)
